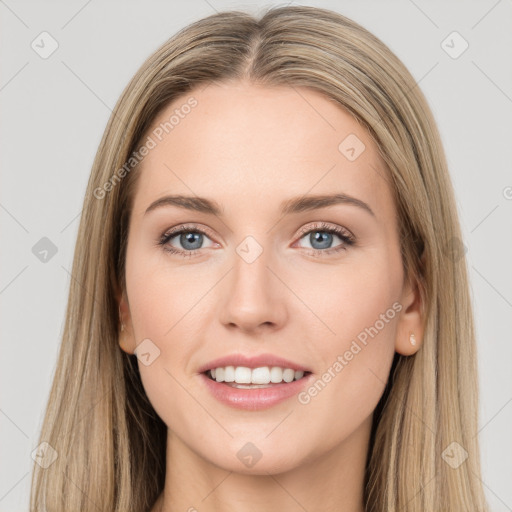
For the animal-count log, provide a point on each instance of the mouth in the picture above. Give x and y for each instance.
(242, 377)
(255, 388)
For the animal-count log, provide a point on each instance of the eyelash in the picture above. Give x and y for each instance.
(344, 235)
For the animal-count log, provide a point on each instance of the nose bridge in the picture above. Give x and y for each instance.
(254, 297)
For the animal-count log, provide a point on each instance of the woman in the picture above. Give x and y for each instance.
(270, 308)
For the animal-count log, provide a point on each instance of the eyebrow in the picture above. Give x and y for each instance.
(294, 205)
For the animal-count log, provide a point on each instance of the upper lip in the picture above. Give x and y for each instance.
(252, 362)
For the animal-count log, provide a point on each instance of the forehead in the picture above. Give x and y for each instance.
(249, 145)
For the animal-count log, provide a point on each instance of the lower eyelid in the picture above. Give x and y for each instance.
(342, 245)
(345, 238)
(175, 234)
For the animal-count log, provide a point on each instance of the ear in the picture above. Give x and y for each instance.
(411, 320)
(126, 335)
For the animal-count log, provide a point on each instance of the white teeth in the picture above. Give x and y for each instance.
(242, 375)
(276, 374)
(260, 375)
(288, 375)
(256, 376)
(229, 374)
(219, 374)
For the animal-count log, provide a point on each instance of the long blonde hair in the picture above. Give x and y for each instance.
(109, 440)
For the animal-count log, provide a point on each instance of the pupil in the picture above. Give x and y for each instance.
(189, 238)
(322, 238)
(319, 236)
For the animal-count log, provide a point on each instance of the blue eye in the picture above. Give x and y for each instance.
(320, 238)
(190, 238)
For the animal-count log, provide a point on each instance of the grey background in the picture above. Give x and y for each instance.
(54, 112)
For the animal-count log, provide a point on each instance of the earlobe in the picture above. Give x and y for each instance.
(408, 347)
(126, 344)
(126, 339)
(410, 328)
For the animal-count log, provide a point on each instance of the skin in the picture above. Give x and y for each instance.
(249, 148)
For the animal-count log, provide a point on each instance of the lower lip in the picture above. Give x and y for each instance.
(257, 398)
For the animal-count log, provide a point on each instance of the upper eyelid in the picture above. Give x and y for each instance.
(186, 227)
(324, 226)
(346, 236)
(318, 225)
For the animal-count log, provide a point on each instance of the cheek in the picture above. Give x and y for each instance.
(361, 309)
(356, 365)
(163, 296)
(365, 323)
(354, 300)
(168, 306)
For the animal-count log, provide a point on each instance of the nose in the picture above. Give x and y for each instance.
(254, 298)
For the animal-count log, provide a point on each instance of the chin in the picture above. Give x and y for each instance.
(249, 458)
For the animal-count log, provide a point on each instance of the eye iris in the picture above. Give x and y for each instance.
(186, 238)
(192, 240)
(322, 236)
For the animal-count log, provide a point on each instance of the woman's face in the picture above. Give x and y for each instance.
(269, 173)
